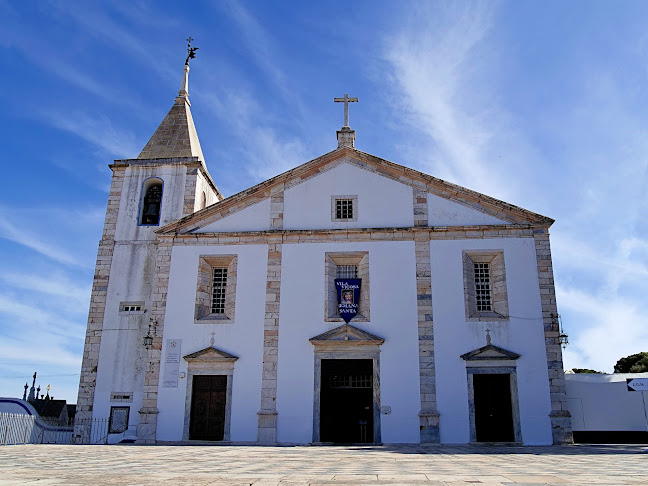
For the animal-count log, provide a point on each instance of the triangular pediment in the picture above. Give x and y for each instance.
(490, 352)
(347, 333)
(493, 210)
(210, 354)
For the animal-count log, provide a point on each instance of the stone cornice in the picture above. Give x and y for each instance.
(192, 162)
(359, 234)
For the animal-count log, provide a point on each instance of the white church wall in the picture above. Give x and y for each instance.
(443, 212)
(202, 185)
(393, 317)
(122, 358)
(173, 178)
(242, 338)
(253, 218)
(382, 202)
(604, 403)
(523, 334)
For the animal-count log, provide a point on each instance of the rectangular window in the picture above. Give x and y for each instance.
(219, 286)
(346, 265)
(483, 295)
(131, 307)
(347, 271)
(216, 289)
(344, 209)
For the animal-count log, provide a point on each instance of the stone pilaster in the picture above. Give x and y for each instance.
(428, 416)
(560, 416)
(147, 425)
(191, 180)
(267, 426)
(88, 380)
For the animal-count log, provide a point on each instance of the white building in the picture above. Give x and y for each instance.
(453, 341)
(605, 409)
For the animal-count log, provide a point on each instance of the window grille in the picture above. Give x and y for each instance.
(483, 294)
(344, 209)
(350, 381)
(347, 271)
(132, 308)
(219, 284)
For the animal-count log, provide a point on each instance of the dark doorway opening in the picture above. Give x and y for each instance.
(346, 401)
(208, 407)
(493, 408)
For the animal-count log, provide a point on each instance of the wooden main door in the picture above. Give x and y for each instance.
(493, 408)
(208, 407)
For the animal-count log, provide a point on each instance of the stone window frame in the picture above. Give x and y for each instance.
(499, 291)
(331, 262)
(124, 312)
(121, 397)
(206, 264)
(146, 185)
(354, 202)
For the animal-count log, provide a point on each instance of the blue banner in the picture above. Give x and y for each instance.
(348, 294)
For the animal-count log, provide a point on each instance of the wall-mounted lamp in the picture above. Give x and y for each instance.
(148, 339)
(563, 338)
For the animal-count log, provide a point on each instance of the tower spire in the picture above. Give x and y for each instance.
(176, 137)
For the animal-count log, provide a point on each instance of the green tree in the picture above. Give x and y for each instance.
(586, 370)
(635, 363)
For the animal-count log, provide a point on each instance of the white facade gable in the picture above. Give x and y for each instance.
(253, 218)
(443, 212)
(382, 202)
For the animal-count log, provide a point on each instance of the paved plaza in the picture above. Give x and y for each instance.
(303, 465)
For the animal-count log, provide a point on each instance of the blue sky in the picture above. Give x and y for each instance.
(541, 104)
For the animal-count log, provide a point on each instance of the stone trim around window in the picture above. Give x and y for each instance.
(499, 294)
(206, 264)
(354, 206)
(331, 262)
(131, 308)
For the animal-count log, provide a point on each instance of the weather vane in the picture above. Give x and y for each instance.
(191, 51)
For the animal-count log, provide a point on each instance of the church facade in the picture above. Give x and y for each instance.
(222, 319)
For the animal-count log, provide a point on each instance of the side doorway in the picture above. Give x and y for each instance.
(208, 405)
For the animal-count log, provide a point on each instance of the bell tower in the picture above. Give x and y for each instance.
(168, 180)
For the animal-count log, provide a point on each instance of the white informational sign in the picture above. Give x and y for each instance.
(637, 384)
(172, 363)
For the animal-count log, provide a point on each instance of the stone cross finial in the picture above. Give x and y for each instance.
(346, 100)
(488, 337)
(211, 341)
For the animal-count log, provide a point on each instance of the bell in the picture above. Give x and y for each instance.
(152, 214)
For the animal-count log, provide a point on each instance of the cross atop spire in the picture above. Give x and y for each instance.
(346, 136)
(176, 136)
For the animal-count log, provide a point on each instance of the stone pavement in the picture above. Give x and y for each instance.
(335, 465)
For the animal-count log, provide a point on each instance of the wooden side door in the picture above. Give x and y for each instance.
(208, 399)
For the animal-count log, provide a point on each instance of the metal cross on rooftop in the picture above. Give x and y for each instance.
(346, 100)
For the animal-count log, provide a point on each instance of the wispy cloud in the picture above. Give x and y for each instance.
(34, 241)
(98, 130)
(59, 225)
(432, 63)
